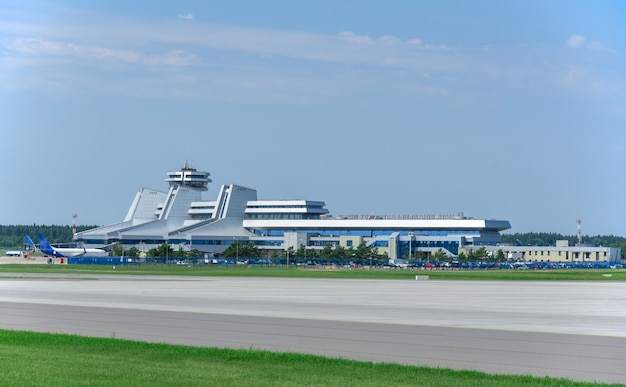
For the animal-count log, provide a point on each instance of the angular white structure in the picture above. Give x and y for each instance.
(182, 218)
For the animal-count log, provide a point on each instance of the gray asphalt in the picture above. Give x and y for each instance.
(575, 330)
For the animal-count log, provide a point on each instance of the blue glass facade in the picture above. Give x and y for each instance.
(451, 246)
(370, 233)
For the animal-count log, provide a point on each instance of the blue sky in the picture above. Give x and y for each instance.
(503, 110)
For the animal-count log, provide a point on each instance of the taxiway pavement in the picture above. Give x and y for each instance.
(564, 329)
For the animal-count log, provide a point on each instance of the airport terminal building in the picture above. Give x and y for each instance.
(563, 252)
(181, 218)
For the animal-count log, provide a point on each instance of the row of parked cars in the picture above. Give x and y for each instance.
(385, 264)
(520, 265)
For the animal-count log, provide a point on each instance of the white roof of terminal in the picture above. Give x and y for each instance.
(420, 224)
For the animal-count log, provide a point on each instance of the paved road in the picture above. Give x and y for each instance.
(568, 329)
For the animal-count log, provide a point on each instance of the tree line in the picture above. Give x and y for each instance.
(250, 250)
(13, 237)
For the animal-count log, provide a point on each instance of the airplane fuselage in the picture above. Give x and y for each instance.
(63, 252)
(73, 252)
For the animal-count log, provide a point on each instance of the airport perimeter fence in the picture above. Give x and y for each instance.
(345, 263)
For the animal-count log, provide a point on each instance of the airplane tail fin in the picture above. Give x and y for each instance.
(31, 247)
(45, 246)
(30, 242)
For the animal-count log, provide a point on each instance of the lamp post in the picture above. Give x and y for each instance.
(410, 243)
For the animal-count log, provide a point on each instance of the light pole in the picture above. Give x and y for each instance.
(410, 243)
(417, 250)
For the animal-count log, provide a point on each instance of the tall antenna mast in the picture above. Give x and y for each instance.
(74, 225)
(580, 235)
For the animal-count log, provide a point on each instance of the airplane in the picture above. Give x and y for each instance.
(30, 250)
(61, 252)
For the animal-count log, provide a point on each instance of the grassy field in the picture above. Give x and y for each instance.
(37, 359)
(313, 272)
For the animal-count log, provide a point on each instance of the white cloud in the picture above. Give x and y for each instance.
(42, 47)
(171, 58)
(38, 46)
(575, 41)
(354, 38)
(388, 39)
(578, 41)
(215, 53)
(188, 16)
(598, 47)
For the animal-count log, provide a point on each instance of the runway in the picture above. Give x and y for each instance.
(565, 329)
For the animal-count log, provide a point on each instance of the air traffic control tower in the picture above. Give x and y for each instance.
(186, 186)
(188, 177)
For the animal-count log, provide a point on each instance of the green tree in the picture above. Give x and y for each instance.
(481, 253)
(312, 253)
(163, 250)
(179, 253)
(250, 250)
(327, 251)
(350, 253)
(362, 251)
(290, 254)
(193, 254)
(339, 252)
(133, 252)
(440, 255)
(301, 252)
(374, 252)
(234, 250)
(118, 250)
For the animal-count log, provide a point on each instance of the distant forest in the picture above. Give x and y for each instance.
(12, 237)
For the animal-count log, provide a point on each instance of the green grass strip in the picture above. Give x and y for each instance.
(40, 359)
(316, 272)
